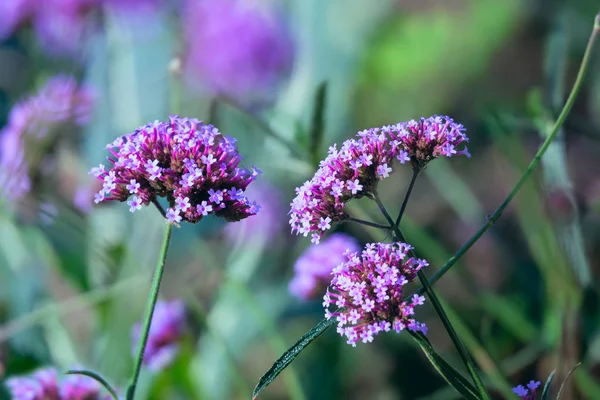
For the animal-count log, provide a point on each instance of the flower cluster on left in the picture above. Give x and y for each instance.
(193, 165)
(44, 384)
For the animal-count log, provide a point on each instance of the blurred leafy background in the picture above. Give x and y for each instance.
(524, 299)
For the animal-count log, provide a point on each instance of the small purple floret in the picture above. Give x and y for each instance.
(524, 393)
(190, 163)
(367, 294)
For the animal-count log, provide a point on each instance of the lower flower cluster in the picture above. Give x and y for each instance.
(367, 291)
(44, 384)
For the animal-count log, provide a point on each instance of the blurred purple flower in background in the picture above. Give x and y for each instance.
(44, 384)
(367, 291)
(267, 224)
(524, 393)
(166, 330)
(192, 164)
(313, 268)
(238, 49)
(32, 124)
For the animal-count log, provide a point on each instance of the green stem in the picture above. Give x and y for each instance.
(411, 185)
(536, 159)
(439, 309)
(369, 223)
(382, 208)
(158, 273)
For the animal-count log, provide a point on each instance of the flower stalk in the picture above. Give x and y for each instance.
(158, 273)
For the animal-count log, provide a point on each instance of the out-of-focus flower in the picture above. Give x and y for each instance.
(166, 330)
(236, 49)
(265, 226)
(367, 292)
(354, 170)
(190, 163)
(12, 14)
(313, 268)
(524, 393)
(32, 125)
(422, 141)
(44, 384)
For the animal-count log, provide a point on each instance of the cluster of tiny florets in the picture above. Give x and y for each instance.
(524, 393)
(354, 170)
(166, 330)
(367, 292)
(44, 384)
(423, 140)
(190, 163)
(33, 123)
(312, 270)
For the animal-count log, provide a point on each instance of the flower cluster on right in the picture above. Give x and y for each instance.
(367, 289)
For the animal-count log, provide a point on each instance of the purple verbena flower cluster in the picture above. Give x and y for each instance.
(190, 163)
(166, 330)
(44, 384)
(524, 393)
(423, 140)
(32, 123)
(246, 67)
(367, 291)
(354, 170)
(313, 268)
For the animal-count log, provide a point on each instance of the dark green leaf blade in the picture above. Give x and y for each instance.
(546, 391)
(289, 356)
(450, 375)
(96, 377)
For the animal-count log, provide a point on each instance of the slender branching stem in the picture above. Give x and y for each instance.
(160, 208)
(382, 208)
(369, 223)
(411, 185)
(491, 219)
(152, 297)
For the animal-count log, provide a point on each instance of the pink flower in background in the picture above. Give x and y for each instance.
(166, 330)
(267, 224)
(12, 14)
(236, 48)
(32, 124)
(367, 292)
(44, 384)
(312, 270)
(190, 163)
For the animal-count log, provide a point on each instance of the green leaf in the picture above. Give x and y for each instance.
(97, 378)
(318, 124)
(291, 354)
(546, 391)
(450, 375)
(562, 385)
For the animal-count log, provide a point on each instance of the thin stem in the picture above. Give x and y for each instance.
(369, 223)
(411, 185)
(160, 208)
(437, 305)
(382, 208)
(491, 220)
(153, 296)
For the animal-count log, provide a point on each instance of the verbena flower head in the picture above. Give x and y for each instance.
(355, 169)
(313, 268)
(525, 393)
(44, 384)
(423, 140)
(236, 48)
(166, 330)
(190, 163)
(367, 292)
(32, 124)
